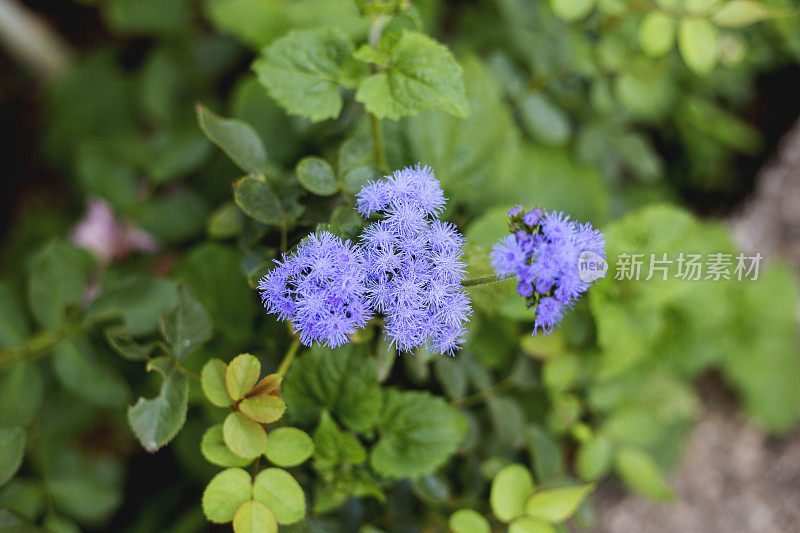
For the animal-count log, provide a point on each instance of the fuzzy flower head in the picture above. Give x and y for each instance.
(414, 261)
(320, 288)
(543, 251)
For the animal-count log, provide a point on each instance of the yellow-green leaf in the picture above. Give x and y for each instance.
(212, 379)
(242, 375)
(697, 42)
(572, 10)
(468, 521)
(556, 505)
(639, 472)
(657, 33)
(254, 517)
(214, 449)
(288, 446)
(244, 437)
(226, 492)
(263, 409)
(740, 13)
(529, 524)
(279, 491)
(511, 489)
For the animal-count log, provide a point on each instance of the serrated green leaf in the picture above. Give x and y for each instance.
(302, 71)
(156, 421)
(342, 381)
(79, 369)
(419, 432)
(12, 449)
(697, 42)
(236, 138)
(741, 13)
(556, 505)
(333, 446)
(225, 493)
(641, 474)
(255, 197)
(254, 517)
(279, 491)
(317, 176)
(213, 381)
(288, 446)
(242, 375)
(594, 458)
(511, 489)
(421, 74)
(242, 436)
(572, 10)
(468, 521)
(529, 524)
(657, 33)
(186, 327)
(214, 449)
(263, 409)
(58, 274)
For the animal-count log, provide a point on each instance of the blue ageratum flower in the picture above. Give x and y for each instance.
(543, 253)
(414, 261)
(321, 289)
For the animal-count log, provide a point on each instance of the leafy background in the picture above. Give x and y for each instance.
(229, 129)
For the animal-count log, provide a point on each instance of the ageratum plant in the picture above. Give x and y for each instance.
(333, 321)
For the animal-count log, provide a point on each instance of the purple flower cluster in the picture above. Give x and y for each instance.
(543, 252)
(320, 288)
(414, 266)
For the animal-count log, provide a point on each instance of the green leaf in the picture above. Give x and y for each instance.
(741, 13)
(175, 154)
(697, 42)
(120, 340)
(214, 449)
(556, 505)
(79, 369)
(507, 419)
(58, 274)
(421, 74)
(225, 222)
(451, 376)
(419, 432)
(544, 120)
(316, 175)
(546, 460)
(175, 216)
(242, 375)
(21, 387)
(187, 326)
(103, 175)
(511, 489)
(342, 381)
(288, 446)
(213, 381)
(657, 33)
(226, 492)
(529, 524)
(641, 474)
(254, 517)
(302, 71)
(594, 458)
(279, 491)
(139, 299)
(468, 521)
(332, 446)
(144, 17)
(572, 10)
(263, 409)
(13, 323)
(244, 437)
(255, 197)
(85, 486)
(12, 449)
(236, 138)
(156, 421)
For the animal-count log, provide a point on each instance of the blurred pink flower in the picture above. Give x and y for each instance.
(106, 237)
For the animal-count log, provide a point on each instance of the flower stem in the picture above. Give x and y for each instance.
(380, 151)
(39, 344)
(288, 358)
(482, 280)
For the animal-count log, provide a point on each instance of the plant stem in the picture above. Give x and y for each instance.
(38, 345)
(482, 280)
(288, 358)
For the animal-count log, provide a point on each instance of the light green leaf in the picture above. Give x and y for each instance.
(288, 446)
(316, 175)
(594, 458)
(79, 369)
(58, 274)
(511, 488)
(556, 505)
(12, 449)
(639, 472)
(419, 432)
(697, 42)
(529, 524)
(263, 409)
(156, 421)
(279, 491)
(226, 492)
(254, 517)
(468, 521)
(741, 13)
(213, 381)
(21, 388)
(255, 197)
(302, 71)
(421, 74)
(572, 10)
(214, 449)
(236, 138)
(186, 327)
(544, 120)
(342, 381)
(242, 375)
(332, 446)
(242, 436)
(657, 33)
